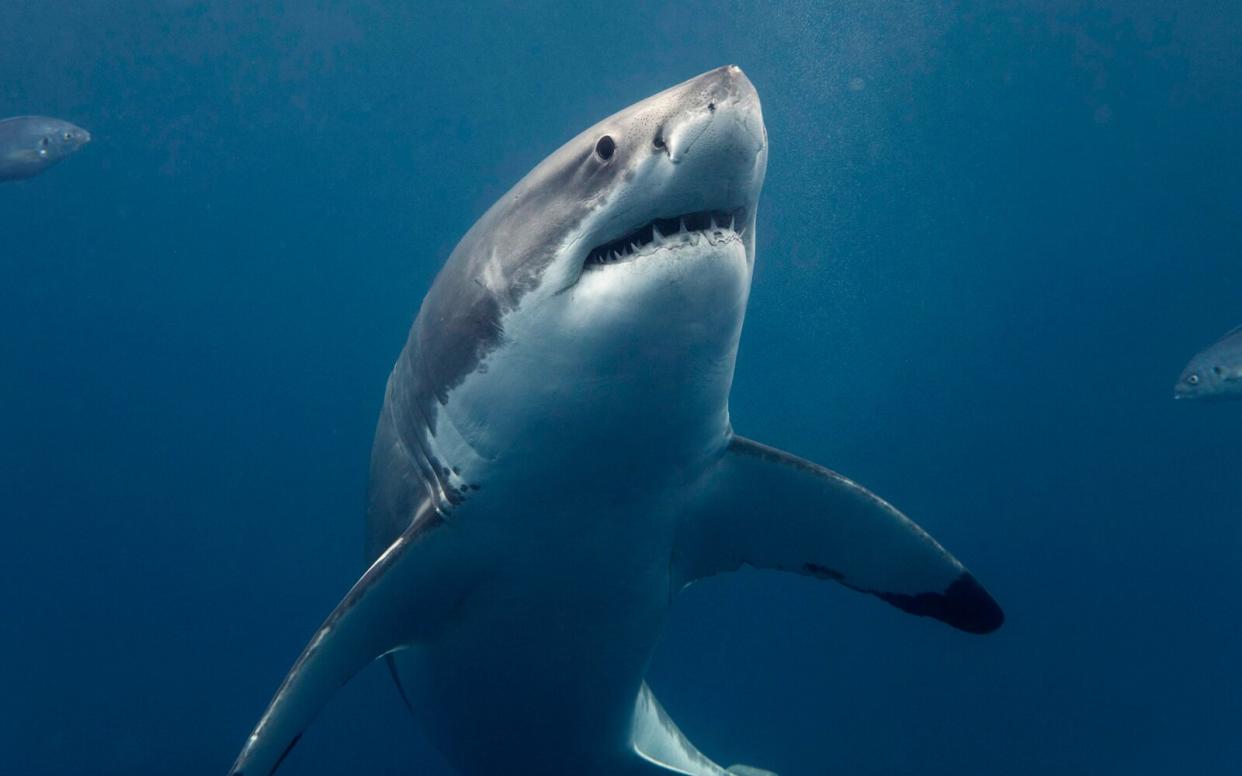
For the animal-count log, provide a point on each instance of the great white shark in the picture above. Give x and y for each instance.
(554, 462)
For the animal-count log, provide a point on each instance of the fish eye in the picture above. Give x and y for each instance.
(1193, 379)
(605, 147)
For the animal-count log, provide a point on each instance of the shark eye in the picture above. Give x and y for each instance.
(605, 148)
(68, 136)
(1193, 379)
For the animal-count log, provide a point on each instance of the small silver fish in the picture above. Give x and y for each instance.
(31, 144)
(1214, 373)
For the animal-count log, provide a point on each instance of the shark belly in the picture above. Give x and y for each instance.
(572, 493)
(542, 660)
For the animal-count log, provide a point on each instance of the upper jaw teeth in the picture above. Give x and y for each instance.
(662, 231)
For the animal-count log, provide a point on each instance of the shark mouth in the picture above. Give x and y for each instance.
(715, 225)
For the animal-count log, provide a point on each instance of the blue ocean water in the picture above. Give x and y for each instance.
(991, 235)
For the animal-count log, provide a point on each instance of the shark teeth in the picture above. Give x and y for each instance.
(712, 224)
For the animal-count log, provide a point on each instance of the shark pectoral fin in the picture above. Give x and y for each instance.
(387, 609)
(663, 749)
(766, 508)
(659, 743)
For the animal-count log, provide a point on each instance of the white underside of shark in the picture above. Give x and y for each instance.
(555, 461)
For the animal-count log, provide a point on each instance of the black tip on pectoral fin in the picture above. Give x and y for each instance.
(964, 604)
(968, 607)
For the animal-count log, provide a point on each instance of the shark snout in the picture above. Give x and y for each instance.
(726, 83)
(719, 114)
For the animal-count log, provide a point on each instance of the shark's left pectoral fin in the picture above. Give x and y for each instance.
(765, 508)
(390, 607)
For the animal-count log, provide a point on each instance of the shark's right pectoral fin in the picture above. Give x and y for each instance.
(390, 607)
(765, 508)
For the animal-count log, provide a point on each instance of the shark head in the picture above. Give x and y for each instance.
(31, 144)
(611, 281)
(53, 139)
(1214, 374)
(675, 176)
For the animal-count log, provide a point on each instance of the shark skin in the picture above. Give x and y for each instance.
(554, 461)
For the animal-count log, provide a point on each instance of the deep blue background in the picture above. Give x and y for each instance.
(991, 235)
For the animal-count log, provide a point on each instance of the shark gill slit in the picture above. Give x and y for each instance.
(447, 493)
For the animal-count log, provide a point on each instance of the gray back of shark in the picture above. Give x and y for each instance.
(31, 144)
(1214, 373)
(554, 461)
